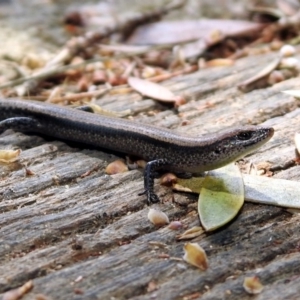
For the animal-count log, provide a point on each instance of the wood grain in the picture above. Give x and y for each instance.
(60, 224)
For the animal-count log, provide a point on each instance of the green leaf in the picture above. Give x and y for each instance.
(221, 197)
(191, 185)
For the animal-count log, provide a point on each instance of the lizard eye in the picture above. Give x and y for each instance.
(217, 151)
(244, 136)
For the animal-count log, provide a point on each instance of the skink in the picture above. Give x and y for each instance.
(162, 148)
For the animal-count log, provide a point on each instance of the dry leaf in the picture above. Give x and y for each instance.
(252, 285)
(195, 255)
(18, 293)
(99, 110)
(259, 79)
(141, 163)
(297, 141)
(191, 233)
(294, 93)
(8, 156)
(176, 32)
(272, 191)
(168, 179)
(116, 167)
(151, 89)
(196, 35)
(157, 217)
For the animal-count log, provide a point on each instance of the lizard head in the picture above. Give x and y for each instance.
(238, 142)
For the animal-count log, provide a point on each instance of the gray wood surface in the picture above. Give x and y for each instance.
(57, 224)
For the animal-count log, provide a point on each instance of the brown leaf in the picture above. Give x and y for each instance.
(252, 285)
(18, 293)
(8, 156)
(195, 255)
(191, 233)
(174, 32)
(261, 78)
(151, 89)
(116, 167)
